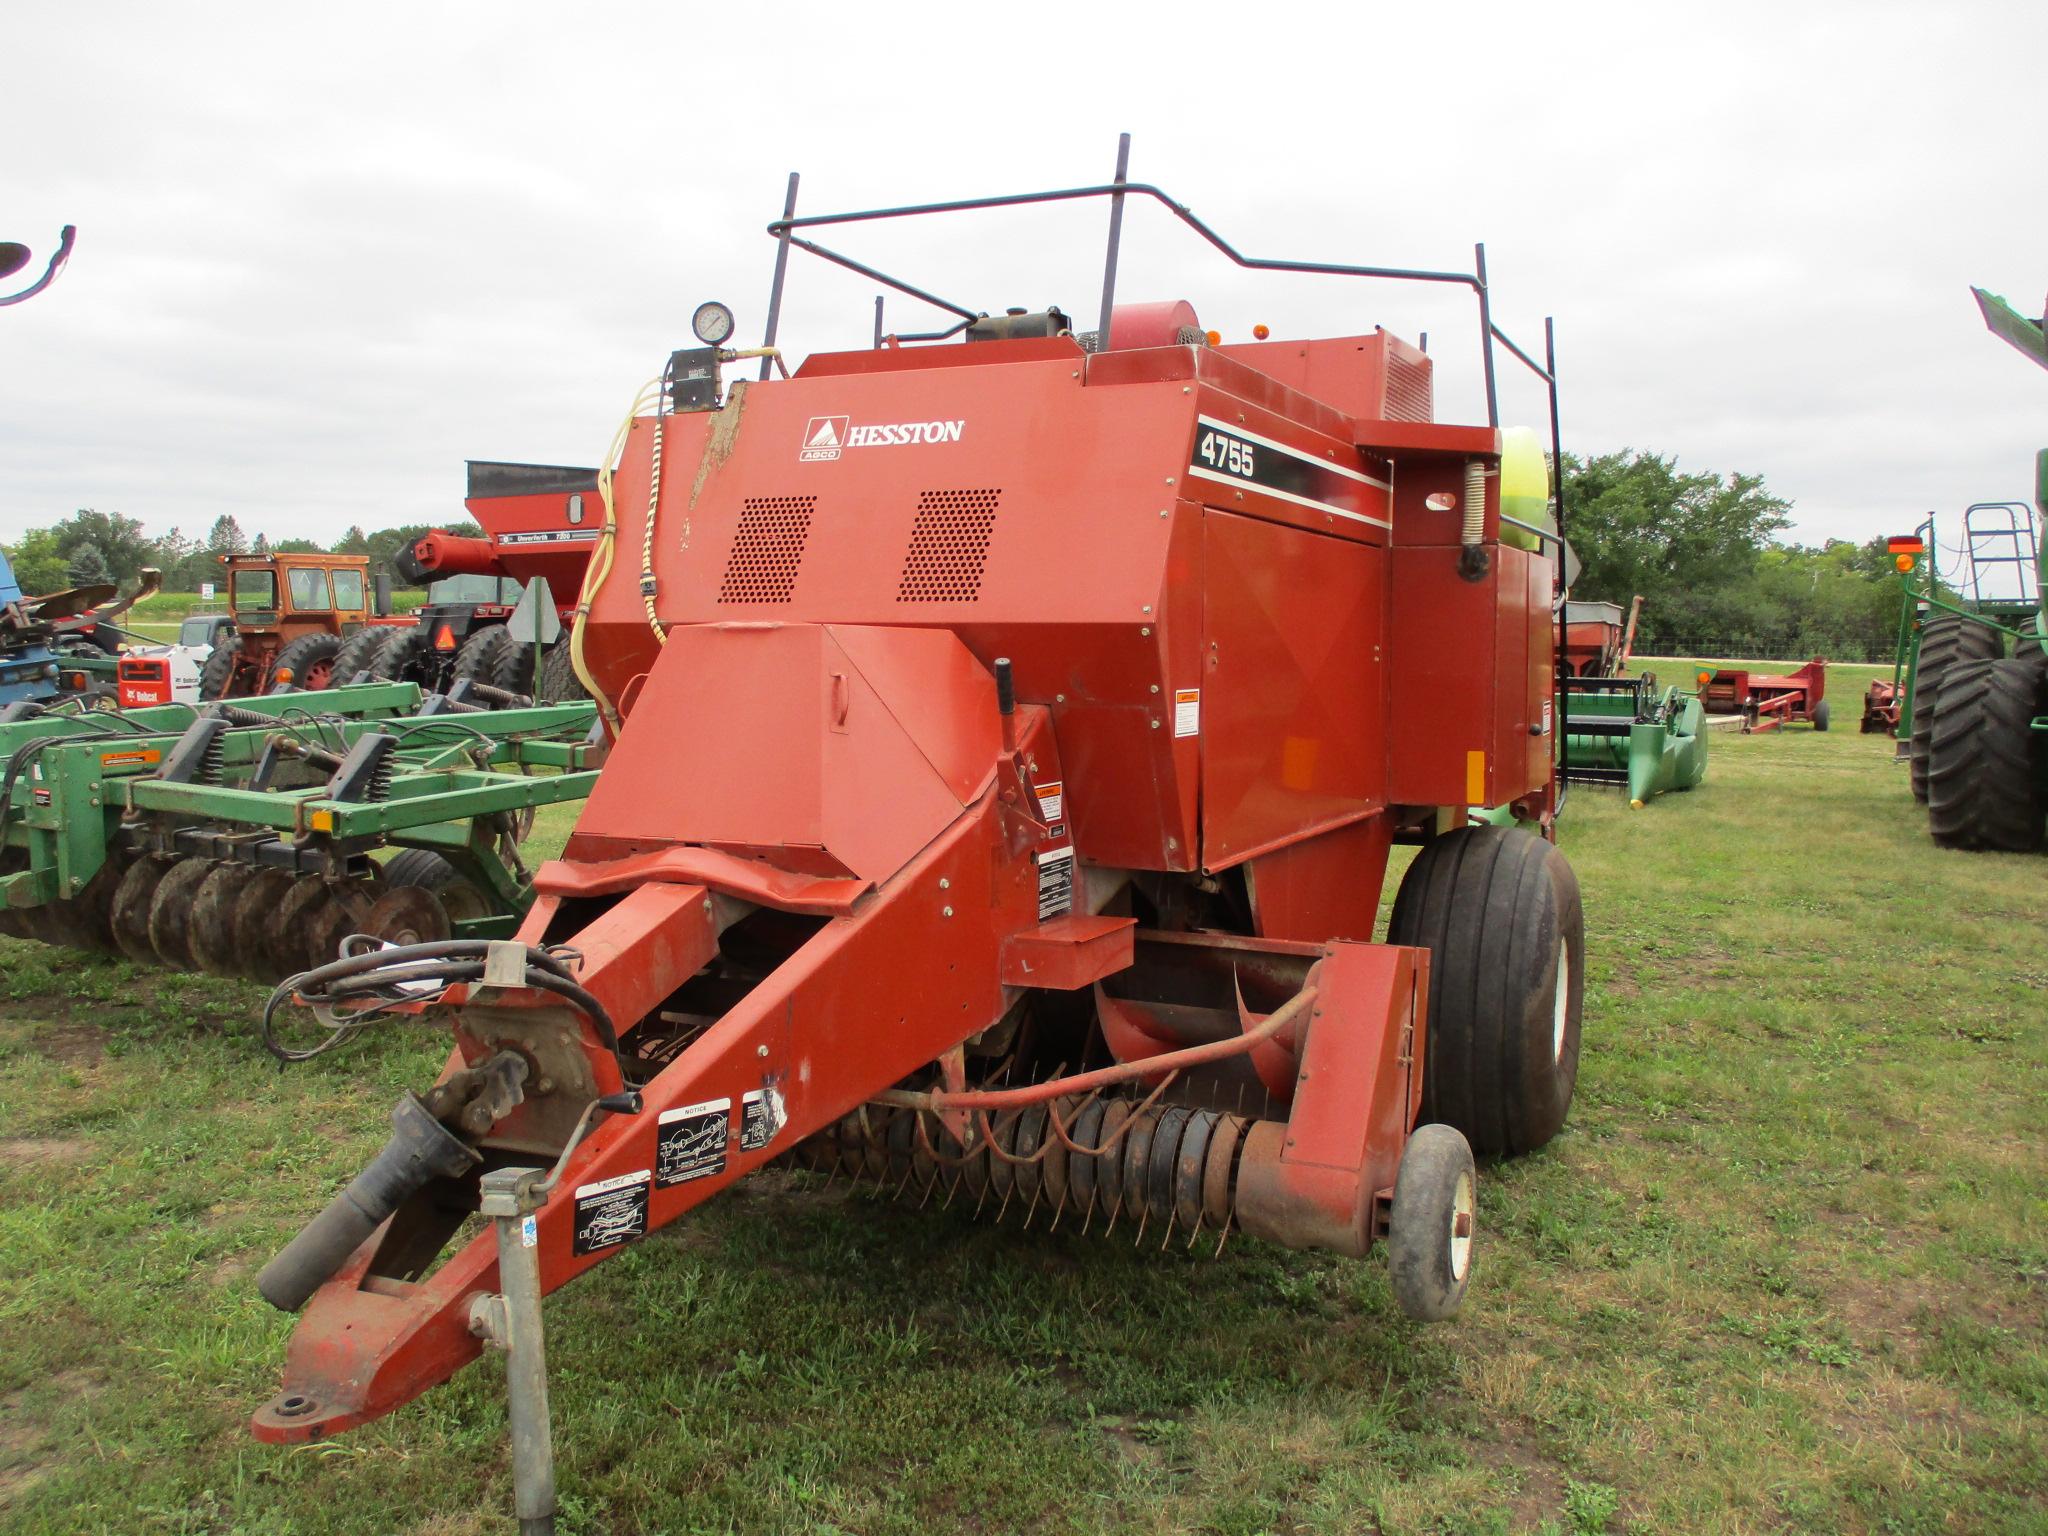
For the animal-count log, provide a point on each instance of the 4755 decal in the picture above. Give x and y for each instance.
(1232, 455)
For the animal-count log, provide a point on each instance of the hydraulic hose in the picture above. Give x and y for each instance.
(600, 567)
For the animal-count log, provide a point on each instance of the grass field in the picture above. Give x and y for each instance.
(1785, 1270)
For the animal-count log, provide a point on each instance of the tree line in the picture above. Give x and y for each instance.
(91, 547)
(1702, 551)
(1700, 548)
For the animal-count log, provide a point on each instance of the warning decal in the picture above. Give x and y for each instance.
(1055, 883)
(761, 1116)
(690, 1143)
(1052, 801)
(1187, 711)
(610, 1212)
(141, 757)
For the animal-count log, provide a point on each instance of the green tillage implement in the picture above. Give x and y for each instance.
(1625, 731)
(237, 839)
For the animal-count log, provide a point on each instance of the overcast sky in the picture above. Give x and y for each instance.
(327, 253)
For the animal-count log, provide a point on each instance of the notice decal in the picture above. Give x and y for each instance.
(690, 1143)
(1187, 711)
(610, 1212)
(762, 1115)
(1055, 883)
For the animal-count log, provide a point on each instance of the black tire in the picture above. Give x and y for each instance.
(1820, 715)
(308, 662)
(217, 676)
(1498, 911)
(1429, 1234)
(359, 653)
(409, 657)
(559, 683)
(1984, 761)
(1945, 640)
(431, 872)
(493, 658)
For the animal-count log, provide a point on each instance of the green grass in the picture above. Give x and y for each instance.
(1785, 1270)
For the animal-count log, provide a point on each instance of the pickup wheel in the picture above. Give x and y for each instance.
(1429, 1233)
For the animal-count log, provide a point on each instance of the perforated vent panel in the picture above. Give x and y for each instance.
(1190, 336)
(1409, 396)
(767, 548)
(948, 546)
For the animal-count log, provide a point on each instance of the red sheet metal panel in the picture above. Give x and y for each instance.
(1290, 714)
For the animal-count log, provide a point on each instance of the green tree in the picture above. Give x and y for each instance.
(353, 542)
(226, 537)
(39, 563)
(298, 547)
(123, 548)
(89, 567)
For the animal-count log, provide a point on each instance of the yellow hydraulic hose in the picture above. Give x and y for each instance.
(600, 566)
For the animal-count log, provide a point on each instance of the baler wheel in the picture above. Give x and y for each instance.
(1498, 909)
(129, 916)
(1944, 641)
(360, 652)
(250, 923)
(1429, 1236)
(1984, 763)
(1820, 715)
(170, 911)
(211, 926)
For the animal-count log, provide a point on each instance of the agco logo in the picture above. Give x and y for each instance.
(829, 436)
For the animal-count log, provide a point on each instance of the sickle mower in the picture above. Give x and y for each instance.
(1012, 728)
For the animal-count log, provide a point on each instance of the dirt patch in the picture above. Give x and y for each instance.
(1536, 1485)
(29, 1452)
(75, 1044)
(43, 1150)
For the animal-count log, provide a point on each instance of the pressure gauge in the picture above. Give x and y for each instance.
(713, 324)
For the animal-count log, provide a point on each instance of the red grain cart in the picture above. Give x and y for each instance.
(1766, 702)
(1011, 735)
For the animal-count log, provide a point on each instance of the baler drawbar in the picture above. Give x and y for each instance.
(1012, 733)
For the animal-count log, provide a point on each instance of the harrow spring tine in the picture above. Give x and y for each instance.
(952, 1189)
(1167, 1241)
(903, 1185)
(1193, 1233)
(929, 1185)
(1031, 1210)
(981, 1202)
(1222, 1237)
(1144, 1215)
(1003, 1209)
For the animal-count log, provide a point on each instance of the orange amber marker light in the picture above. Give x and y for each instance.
(1706, 677)
(1215, 338)
(1904, 563)
(1260, 332)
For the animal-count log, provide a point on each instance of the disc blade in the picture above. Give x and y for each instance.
(212, 924)
(261, 896)
(170, 911)
(132, 898)
(288, 932)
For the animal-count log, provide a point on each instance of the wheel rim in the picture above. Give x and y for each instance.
(1562, 1007)
(1461, 1227)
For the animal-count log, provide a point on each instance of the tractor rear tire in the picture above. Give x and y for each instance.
(1944, 640)
(493, 658)
(217, 676)
(359, 653)
(308, 663)
(559, 683)
(1429, 1232)
(409, 657)
(1985, 761)
(1498, 910)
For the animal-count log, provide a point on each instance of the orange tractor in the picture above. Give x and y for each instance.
(291, 614)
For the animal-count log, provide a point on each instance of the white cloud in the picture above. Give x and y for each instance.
(325, 255)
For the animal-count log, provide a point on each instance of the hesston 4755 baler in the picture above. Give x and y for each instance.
(1012, 733)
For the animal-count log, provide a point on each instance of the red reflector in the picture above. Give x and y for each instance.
(1905, 544)
(444, 639)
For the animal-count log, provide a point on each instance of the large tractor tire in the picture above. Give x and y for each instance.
(360, 652)
(409, 657)
(493, 658)
(1945, 640)
(1498, 911)
(559, 683)
(217, 675)
(308, 663)
(1985, 761)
